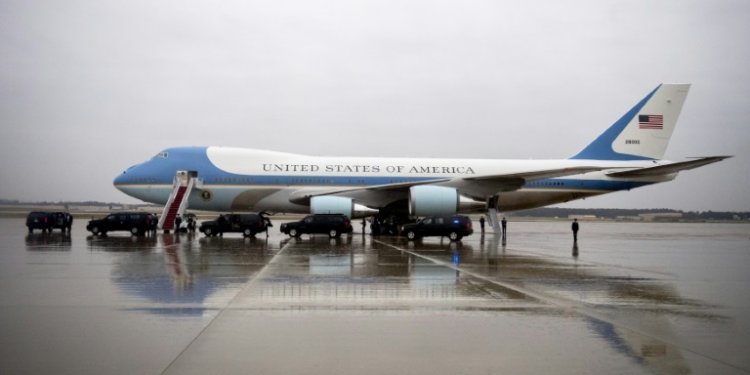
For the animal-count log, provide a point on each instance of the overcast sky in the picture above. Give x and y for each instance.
(89, 88)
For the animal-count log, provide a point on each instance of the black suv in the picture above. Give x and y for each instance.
(46, 221)
(137, 223)
(247, 224)
(454, 227)
(331, 224)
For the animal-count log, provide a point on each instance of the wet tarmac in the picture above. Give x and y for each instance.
(638, 298)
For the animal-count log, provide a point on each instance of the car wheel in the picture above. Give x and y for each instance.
(293, 233)
(134, 231)
(248, 232)
(411, 235)
(95, 231)
(333, 233)
(454, 236)
(208, 232)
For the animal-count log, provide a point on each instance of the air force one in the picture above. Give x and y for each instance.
(627, 155)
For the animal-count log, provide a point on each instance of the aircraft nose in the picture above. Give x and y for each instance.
(118, 180)
(123, 177)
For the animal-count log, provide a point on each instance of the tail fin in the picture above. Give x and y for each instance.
(643, 132)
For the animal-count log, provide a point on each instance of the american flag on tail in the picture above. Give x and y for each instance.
(651, 122)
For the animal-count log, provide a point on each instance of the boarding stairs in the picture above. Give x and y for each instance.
(178, 200)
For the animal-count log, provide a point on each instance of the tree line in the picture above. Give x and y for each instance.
(614, 213)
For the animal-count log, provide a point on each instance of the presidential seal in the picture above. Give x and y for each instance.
(206, 195)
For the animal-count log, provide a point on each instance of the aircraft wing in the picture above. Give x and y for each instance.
(483, 186)
(535, 175)
(668, 168)
(480, 185)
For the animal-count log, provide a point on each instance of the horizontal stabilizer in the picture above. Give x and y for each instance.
(669, 168)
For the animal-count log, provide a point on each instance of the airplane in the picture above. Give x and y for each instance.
(627, 155)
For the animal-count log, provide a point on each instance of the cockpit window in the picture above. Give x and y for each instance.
(162, 155)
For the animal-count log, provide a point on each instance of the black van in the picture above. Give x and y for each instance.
(454, 227)
(331, 224)
(137, 223)
(247, 224)
(46, 221)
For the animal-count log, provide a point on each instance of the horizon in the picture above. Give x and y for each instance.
(4, 201)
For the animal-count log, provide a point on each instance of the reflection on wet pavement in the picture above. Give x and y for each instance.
(316, 305)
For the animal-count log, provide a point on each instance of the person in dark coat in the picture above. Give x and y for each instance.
(68, 222)
(574, 228)
(481, 223)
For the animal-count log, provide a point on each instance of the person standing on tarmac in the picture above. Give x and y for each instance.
(504, 224)
(68, 222)
(481, 223)
(574, 228)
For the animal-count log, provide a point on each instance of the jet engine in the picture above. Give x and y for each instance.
(427, 200)
(339, 205)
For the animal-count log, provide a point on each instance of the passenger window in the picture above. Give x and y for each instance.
(427, 221)
(439, 220)
(112, 217)
(308, 220)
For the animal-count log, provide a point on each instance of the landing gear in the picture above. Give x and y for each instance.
(492, 213)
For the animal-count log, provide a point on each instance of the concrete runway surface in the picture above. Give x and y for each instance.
(667, 298)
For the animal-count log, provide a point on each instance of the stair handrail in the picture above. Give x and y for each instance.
(186, 197)
(175, 188)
